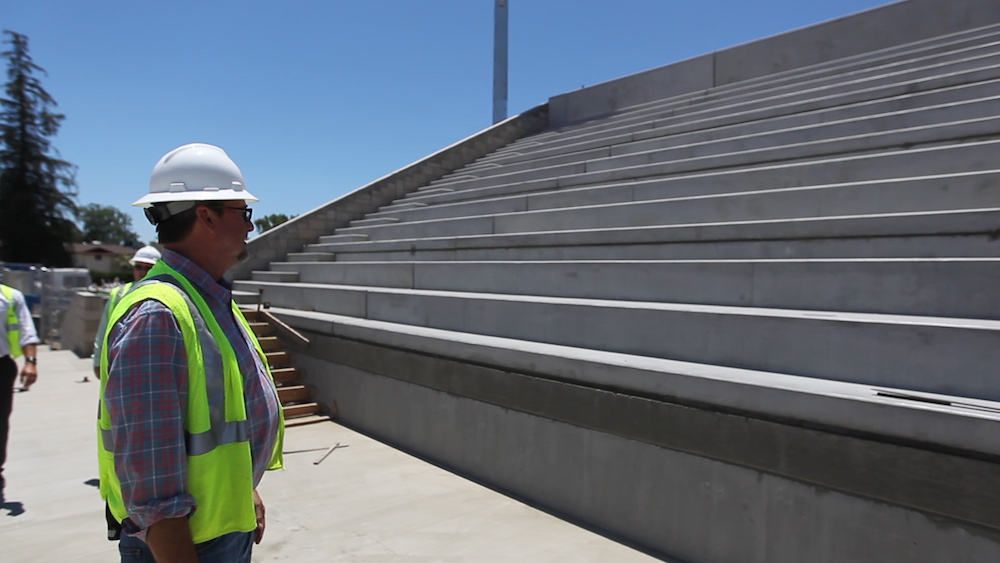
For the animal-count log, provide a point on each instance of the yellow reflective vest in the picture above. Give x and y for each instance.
(12, 323)
(220, 467)
(113, 297)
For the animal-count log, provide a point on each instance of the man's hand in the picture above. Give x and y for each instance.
(170, 541)
(258, 506)
(29, 373)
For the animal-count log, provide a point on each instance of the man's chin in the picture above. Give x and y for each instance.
(243, 256)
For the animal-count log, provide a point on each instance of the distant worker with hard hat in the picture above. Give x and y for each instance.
(189, 415)
(20, 339)
(141, 262)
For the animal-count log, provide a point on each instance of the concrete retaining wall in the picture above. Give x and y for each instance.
(665, 475)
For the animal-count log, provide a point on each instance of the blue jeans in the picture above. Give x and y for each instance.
(230, 548)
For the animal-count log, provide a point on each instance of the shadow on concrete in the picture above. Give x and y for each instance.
(13, 508)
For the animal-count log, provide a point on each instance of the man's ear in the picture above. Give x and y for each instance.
(206, 216)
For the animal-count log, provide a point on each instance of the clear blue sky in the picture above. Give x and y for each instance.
(313, 99)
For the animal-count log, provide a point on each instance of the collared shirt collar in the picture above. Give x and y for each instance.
(221, 289)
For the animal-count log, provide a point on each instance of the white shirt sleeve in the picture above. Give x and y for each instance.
(28, 334)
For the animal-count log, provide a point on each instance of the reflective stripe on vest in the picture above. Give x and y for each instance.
(220, 467)
(12, 323)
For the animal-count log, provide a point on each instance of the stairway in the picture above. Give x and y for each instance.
(849, 178)
(297, 398)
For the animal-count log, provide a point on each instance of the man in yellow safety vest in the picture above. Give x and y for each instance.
(20, 340)
(189, 415)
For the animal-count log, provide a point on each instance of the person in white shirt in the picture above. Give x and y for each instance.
(20, 338)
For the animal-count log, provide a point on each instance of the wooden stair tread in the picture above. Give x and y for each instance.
(270, 343)
(285, 375)
(261, 328)
(301, 409)
(289, 393)
(306, 419)
(278, 359)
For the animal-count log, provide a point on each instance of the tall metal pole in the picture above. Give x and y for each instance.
(500, 61)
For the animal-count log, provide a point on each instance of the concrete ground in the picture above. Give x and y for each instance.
(363, 501)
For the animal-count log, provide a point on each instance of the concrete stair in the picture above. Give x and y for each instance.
(942, 287)
(793, 274)
(874, 349)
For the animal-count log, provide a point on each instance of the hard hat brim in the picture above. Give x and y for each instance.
(204, 195)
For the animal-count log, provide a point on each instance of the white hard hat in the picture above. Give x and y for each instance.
(195, 172)
(146, 255)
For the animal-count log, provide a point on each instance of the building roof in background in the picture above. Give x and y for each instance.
(94, 248)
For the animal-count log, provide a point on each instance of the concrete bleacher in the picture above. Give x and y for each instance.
(755, 320)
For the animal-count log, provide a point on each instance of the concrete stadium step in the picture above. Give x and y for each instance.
(627, 192)
(912, 110)
(946, 287)
(765, 181)
(924, 161)
(916, 195)
(645, 125)
(635, 141)
(502, 204)
(312, 256)
(345, 238)
(947, 422)
(686, 160)
(885, 61)
(909, 352)
(245, 297)
(902, 235)
(404, 206)
(430, 190)
(276, 276)
(929, 194)
(792, 89)
(756, 104)
(374, 221)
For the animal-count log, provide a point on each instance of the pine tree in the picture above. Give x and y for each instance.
(37, 190)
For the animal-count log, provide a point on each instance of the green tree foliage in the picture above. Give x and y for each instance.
(106, 224)
(270, 221)
(37, 189)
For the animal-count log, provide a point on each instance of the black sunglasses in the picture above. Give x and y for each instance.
(247, 212)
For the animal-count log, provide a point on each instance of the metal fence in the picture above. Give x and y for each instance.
(48, 293)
